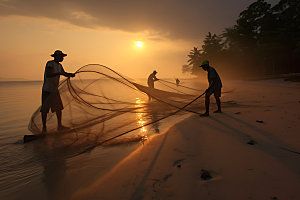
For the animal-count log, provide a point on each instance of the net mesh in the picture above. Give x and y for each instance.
(99, 104)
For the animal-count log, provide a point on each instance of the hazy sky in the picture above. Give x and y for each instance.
(106, 32)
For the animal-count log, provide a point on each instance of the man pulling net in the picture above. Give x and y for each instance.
(215, 86)
(50, 94)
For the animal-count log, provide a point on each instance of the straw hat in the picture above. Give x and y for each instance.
(58, 53)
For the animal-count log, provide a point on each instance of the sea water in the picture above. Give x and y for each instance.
(30, 171)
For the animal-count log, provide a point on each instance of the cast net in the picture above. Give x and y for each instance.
(103, 107)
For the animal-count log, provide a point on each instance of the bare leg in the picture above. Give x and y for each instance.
(207, 101)
(206, 106)
(218, 101)
(150, 86)
(44, 120)
(58, 115)
(60, 127)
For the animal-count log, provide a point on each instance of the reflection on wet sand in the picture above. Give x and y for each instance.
(54, 171)
(153, 114)
(53, 155)
(147, 115)
(54, 164)
(140, 116)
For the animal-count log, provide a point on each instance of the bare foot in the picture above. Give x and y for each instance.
(218, 111)
(62, 128)
(44, 131)
(204, 115)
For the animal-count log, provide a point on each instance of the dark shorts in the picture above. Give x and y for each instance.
(51, 100)
(216, 92)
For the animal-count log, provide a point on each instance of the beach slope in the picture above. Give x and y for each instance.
(251, 151)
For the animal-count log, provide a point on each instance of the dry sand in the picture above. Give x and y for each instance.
(171, 165)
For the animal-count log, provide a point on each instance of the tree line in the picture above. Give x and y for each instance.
(265, 40)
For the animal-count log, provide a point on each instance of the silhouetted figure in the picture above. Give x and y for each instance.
(151, 79)
(177, 82)
(215, 86)
(50, 94)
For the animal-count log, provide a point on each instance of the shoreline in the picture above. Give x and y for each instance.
(242, 150)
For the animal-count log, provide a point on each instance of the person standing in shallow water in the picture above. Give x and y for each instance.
(50, 94)
(177, 82)
(215, 85)
(151, 79)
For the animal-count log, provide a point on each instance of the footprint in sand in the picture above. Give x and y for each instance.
(157, 184)
(209, 175)
(205, 175)
(165, 179)
(178, 163)
(252, 142)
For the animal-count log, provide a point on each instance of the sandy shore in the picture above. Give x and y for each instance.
(251, 151)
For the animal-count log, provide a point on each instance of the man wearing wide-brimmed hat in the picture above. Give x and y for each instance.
(50, 94)
(215, 85)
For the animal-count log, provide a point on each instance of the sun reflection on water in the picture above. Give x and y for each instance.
(140, 116)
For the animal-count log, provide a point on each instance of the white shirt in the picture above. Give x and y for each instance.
(51, 84)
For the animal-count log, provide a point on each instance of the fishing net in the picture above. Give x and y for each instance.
(103, 107)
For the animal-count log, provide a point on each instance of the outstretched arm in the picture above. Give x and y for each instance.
(64, 73)
(50, 73)
(69, 74)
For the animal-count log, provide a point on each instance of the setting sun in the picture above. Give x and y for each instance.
(139, 44)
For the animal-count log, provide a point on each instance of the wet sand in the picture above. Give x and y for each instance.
(251, 151)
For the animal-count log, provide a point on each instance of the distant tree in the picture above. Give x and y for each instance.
(231, 37)
(212, 46)
(264, 40)
(242, 41)
(186, 69)
(287, 37)
(195, 59)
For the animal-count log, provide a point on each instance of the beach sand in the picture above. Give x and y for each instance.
(251, 151)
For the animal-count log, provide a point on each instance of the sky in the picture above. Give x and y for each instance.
(106, 32)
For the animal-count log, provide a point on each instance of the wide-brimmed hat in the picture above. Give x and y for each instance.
(58, 53)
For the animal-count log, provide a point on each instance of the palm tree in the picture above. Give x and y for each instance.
(212, 46)
(195, 59)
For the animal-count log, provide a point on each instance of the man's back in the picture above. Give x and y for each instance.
(151, 77)
(212, 74)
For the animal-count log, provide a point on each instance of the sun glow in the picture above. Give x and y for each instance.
(139, 44)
